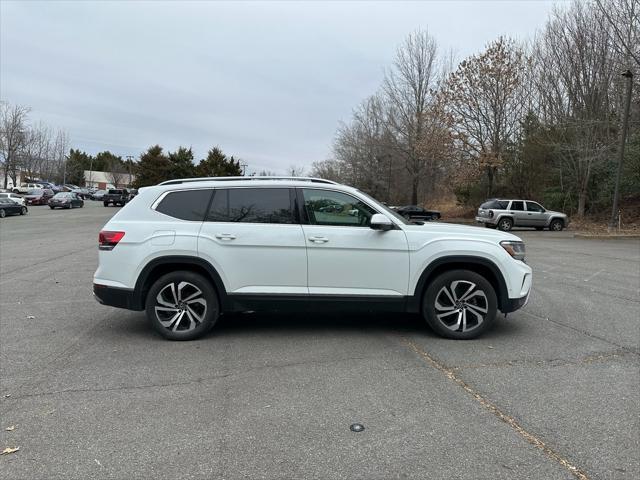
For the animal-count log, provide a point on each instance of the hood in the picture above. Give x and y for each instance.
(552, 212)
(462, 231)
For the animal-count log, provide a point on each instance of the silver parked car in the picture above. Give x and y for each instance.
(506, 214)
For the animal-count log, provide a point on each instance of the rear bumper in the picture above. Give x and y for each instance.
(116, 297)
(484, 220)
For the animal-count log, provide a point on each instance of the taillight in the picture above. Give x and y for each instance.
(107, 240)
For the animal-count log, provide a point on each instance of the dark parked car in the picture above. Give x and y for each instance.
(413, 212)
(9, 207)
(66, 200)
(38, 196)
(116, 197)
(98, 194)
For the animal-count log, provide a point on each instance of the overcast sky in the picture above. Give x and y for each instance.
(266, 81)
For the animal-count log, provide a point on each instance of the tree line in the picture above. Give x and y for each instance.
(34, 151)
(539, 119)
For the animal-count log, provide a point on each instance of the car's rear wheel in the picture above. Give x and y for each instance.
(182, 305)
(23, 211)
(556, 225)
(505, 224)
(460, 304)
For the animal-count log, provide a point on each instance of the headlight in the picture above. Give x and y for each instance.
(515, 249)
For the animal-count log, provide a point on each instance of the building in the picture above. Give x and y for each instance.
(105, 180)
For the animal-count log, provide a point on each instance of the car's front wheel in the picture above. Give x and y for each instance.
(182, 305)
(23, 211)
(460, 304)
(556, 225)
(2, 213)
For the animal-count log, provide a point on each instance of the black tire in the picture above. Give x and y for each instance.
(106, 204)
(82, 205)
(52, 208)
(467, 311)
(23, 211)
(70, 206)
(200, 317)
(505, 224)
(2, 213)
(556, 225)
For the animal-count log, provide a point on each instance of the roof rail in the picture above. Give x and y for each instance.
(235, 179)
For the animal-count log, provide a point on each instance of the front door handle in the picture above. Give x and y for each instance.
(318, 239)
(225, 236)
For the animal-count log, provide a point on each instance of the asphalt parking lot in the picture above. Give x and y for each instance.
(551, 392)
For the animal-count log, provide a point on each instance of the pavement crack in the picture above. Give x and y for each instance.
(583, 332)
(550, 362)
(531, 438)
(122, 387)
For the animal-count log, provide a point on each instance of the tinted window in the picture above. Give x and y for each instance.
(496, 204)
(517, 205)
(185, 205)
(251, 205)
(335, 208)
(534, 207)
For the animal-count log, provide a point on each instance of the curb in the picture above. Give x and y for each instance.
(590, 236)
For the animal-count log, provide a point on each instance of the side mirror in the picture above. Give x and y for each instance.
(380, 222)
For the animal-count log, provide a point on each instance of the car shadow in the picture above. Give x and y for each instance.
(135, 324)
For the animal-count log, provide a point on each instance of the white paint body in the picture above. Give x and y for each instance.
(299, 259)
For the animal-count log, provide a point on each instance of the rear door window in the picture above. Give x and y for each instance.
(252, 205)
(186, 204)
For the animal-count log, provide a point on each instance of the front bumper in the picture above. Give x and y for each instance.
(513, 304)
(116, 297)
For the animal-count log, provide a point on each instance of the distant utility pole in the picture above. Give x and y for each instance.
(244, 167)
(129, 162)
(623, 140)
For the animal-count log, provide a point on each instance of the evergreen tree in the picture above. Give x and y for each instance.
(76, 164)
(154, 167)
(218, 165)
(181, 164)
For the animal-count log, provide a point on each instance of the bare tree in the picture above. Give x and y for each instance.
(295, 171)
(36, 152)
(575, 75)
(622, 19)
(409, 89)
(13, 135)
(486, 99)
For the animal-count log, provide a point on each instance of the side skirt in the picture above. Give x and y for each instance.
(242, 302)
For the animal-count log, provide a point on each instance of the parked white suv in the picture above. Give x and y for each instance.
(189, 250)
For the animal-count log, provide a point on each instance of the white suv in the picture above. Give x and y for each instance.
(189, 250)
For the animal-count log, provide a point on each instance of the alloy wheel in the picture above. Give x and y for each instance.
(462, 306)
(180, 306)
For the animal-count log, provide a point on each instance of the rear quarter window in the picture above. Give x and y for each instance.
(495, 204)
(186, 205)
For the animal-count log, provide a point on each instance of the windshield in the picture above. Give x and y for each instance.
(36, 191)
(62, 195)
(386, 209)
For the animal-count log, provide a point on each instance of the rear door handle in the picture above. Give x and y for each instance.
(318, 239)
(225, 236)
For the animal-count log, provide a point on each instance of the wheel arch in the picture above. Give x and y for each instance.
(480, 265)
(162, 265)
